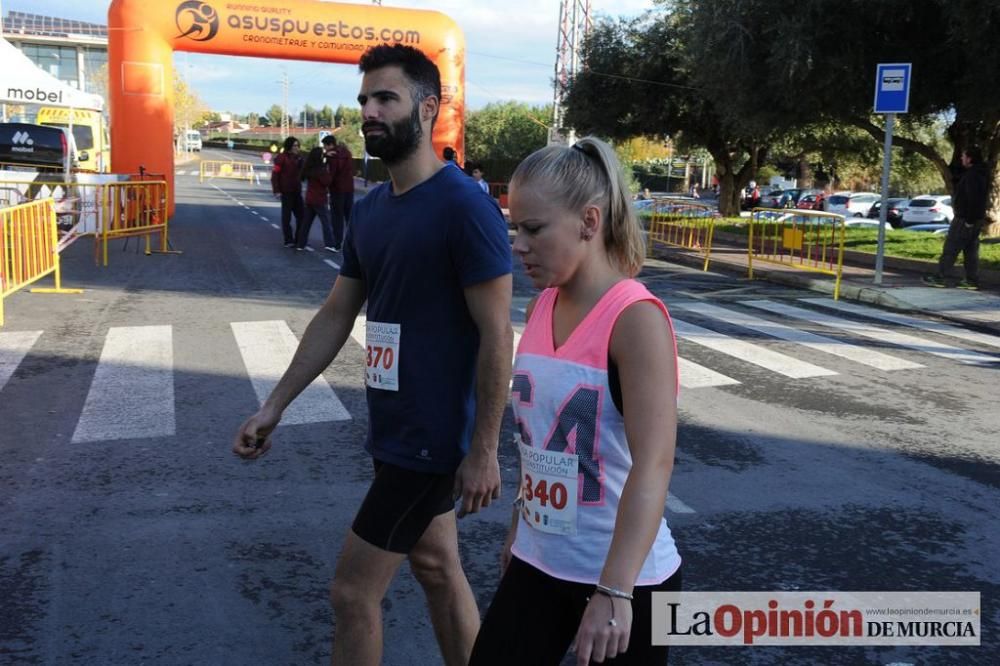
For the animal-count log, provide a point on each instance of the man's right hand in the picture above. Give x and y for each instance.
(253, 439)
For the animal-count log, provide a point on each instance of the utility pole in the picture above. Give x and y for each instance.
(574, 25)
(285, 129)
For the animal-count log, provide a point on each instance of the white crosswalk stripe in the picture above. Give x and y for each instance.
(267, 348)
(904, 320)
(14, 345)
(132, 393)
(858, 354)
(876, 333)
(751, 353)
(698, 376)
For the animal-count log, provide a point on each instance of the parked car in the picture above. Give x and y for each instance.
(781, 198)
(929, 209)
(851, 204)
(938, 228)
(864, 223)
(807, 200)
(895, 207)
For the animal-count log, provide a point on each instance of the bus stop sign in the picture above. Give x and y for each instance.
(892, 88)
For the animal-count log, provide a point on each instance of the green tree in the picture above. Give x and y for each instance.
(189, 109)
(347, 115)
(326, 116)
(506, 130)
(640, 78)
(817, 70)
(274, 115)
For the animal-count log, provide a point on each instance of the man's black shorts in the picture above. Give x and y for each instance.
(399, 506)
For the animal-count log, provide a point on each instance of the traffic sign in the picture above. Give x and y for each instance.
(892, 87)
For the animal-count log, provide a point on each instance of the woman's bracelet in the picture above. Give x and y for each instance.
(612, 592)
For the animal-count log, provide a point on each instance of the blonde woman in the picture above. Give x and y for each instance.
(594, 395)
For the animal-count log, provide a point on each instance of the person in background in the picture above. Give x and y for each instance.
(969, 204)
(341, 188)
(450, 157)
(594, 396)
(317, 176)
(477, 175)
(286, 183)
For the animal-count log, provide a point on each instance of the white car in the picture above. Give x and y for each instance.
(929, 209)
(851, 204)
(937, 229)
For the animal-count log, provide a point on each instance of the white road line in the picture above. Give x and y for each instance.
(876, 333)
(751, 353)
(698, 376)
(13, 348)
(275, 225)
(309, 249)
(675, 505)
(132, 393)
(858, 354)
(331, 262)
(934, 326)
(267, 348)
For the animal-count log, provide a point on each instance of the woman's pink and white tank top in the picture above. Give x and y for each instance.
(574, 454)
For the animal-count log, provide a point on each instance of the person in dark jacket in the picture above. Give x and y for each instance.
(969, 203)
(286, 183)
(341, 187)
(317, 176)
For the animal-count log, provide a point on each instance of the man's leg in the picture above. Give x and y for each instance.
(970, 255)
(953, 244)
(286, 218)
(360, 582)
(436, 565)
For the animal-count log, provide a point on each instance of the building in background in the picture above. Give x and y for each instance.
(72, 51)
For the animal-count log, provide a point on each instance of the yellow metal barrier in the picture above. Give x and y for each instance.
(219, 169)
(134, 208)
(28, 240)
(805, 240)
(682, 223)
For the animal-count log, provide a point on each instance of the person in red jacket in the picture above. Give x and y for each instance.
(342, 188)
(317, 176)
(286, 183)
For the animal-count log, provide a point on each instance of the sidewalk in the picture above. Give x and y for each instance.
(901, 288)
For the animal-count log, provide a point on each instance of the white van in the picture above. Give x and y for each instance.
(192, 140)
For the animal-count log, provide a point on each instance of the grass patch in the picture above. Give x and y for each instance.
(898, 243)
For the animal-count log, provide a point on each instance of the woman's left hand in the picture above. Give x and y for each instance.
(598, 638)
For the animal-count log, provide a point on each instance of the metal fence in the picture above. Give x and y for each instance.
(804, 240)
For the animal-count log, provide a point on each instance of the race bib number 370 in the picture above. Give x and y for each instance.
(548, 486)
(382, 355)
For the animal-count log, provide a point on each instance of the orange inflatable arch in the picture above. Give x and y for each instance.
(143, 34)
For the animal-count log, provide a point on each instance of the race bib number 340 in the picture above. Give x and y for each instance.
(548, 486)
(382, 355)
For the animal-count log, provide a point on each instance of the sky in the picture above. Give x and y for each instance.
(510, 55)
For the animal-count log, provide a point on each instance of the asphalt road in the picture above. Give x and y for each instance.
(130, 534)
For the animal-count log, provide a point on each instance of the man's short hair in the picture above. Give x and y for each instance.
(975, 154)
(328, 140)
(448, 154)
(424, 77)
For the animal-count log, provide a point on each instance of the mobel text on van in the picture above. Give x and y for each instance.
(36, 95)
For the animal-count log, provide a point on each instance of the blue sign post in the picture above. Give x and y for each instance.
(892, 88)
(892, 96)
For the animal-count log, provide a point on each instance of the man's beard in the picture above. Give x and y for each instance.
(397, 141)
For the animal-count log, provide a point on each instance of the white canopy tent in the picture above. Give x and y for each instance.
(23, 82)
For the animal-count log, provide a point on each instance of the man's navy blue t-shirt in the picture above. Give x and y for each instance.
(416, 252)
